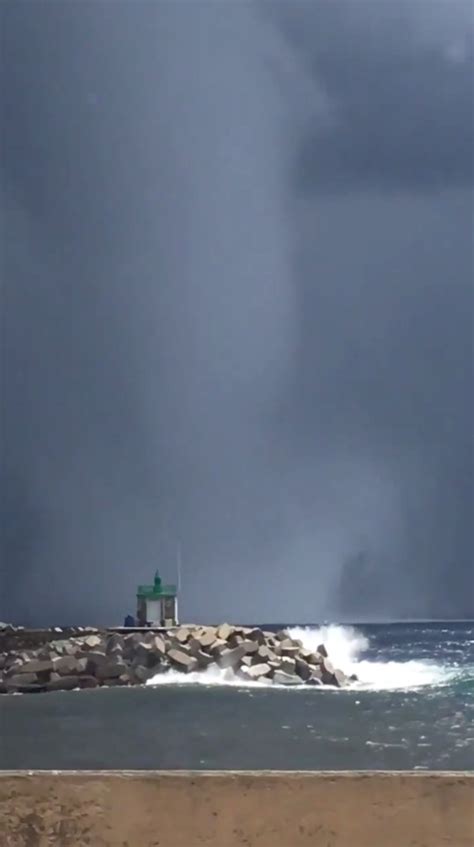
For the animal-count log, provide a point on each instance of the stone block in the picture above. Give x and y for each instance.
(14, 665)
(256, 672)
(217, 647)
(288, 648)
(62, 647)
(302, 668)
(206, 636)
(327, 673)
(114, 643)
(184, 648)
(111, 669)
(87, 681)
(311, 658)
(21, 679)
(94, 660)
(159, 645)
(250, 646)
(24, 688)
(255, 634)
(142, 647)
(141, 674)
(288, 665)
(194, 646)
(70, 665)
(37, 666)
(341, 679)
(264, 652)
(92, 642)
(282, 678)
(144, 654)
(316, 672)
(230, 657)
(181, 635)
(281, 635)
(183, 662)
(203, 659)
(224, 631)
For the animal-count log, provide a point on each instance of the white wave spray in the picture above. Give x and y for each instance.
(346, 646)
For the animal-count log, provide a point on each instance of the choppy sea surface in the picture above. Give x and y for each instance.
(413, 708)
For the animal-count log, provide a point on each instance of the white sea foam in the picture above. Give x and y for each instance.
(211, 676)
(401, 675)
(343, 643)
(346, 646)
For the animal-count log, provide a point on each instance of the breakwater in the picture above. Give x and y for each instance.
(56, 660)
(271, 809)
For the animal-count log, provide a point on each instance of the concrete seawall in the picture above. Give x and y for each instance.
(244, 809)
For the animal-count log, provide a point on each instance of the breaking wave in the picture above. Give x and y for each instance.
(343, 643)
(347, 648)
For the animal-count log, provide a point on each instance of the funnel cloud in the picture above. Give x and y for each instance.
(237, 309)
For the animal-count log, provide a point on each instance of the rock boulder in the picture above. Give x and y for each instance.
(224, 631)
(302, 669)
(327, 673)
(288, 665)
(183, 662)
(92, 642)
(36, 666)
(70, 665)
(230, 657)
(206, 636)
(282, 678)
(256, 672)
(18, 680)
(159, 646)
(181, 635)
(255, 634)
(203, 659)
(111, 669)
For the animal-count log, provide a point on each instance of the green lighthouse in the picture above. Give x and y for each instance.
(157, 604)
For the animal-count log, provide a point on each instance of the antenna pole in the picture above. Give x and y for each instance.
(178, 564)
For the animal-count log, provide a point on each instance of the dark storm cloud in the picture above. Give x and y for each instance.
(194, 349)
(147, 302)
(384, 370)
(399, 77)
(388, 384)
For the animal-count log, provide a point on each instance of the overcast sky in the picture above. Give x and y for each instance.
(237, 308)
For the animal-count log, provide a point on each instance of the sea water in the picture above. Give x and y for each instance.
(412, 707)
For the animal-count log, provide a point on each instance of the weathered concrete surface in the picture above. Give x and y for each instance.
(226, 809)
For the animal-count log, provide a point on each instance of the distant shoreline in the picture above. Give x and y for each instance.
(271, 624)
